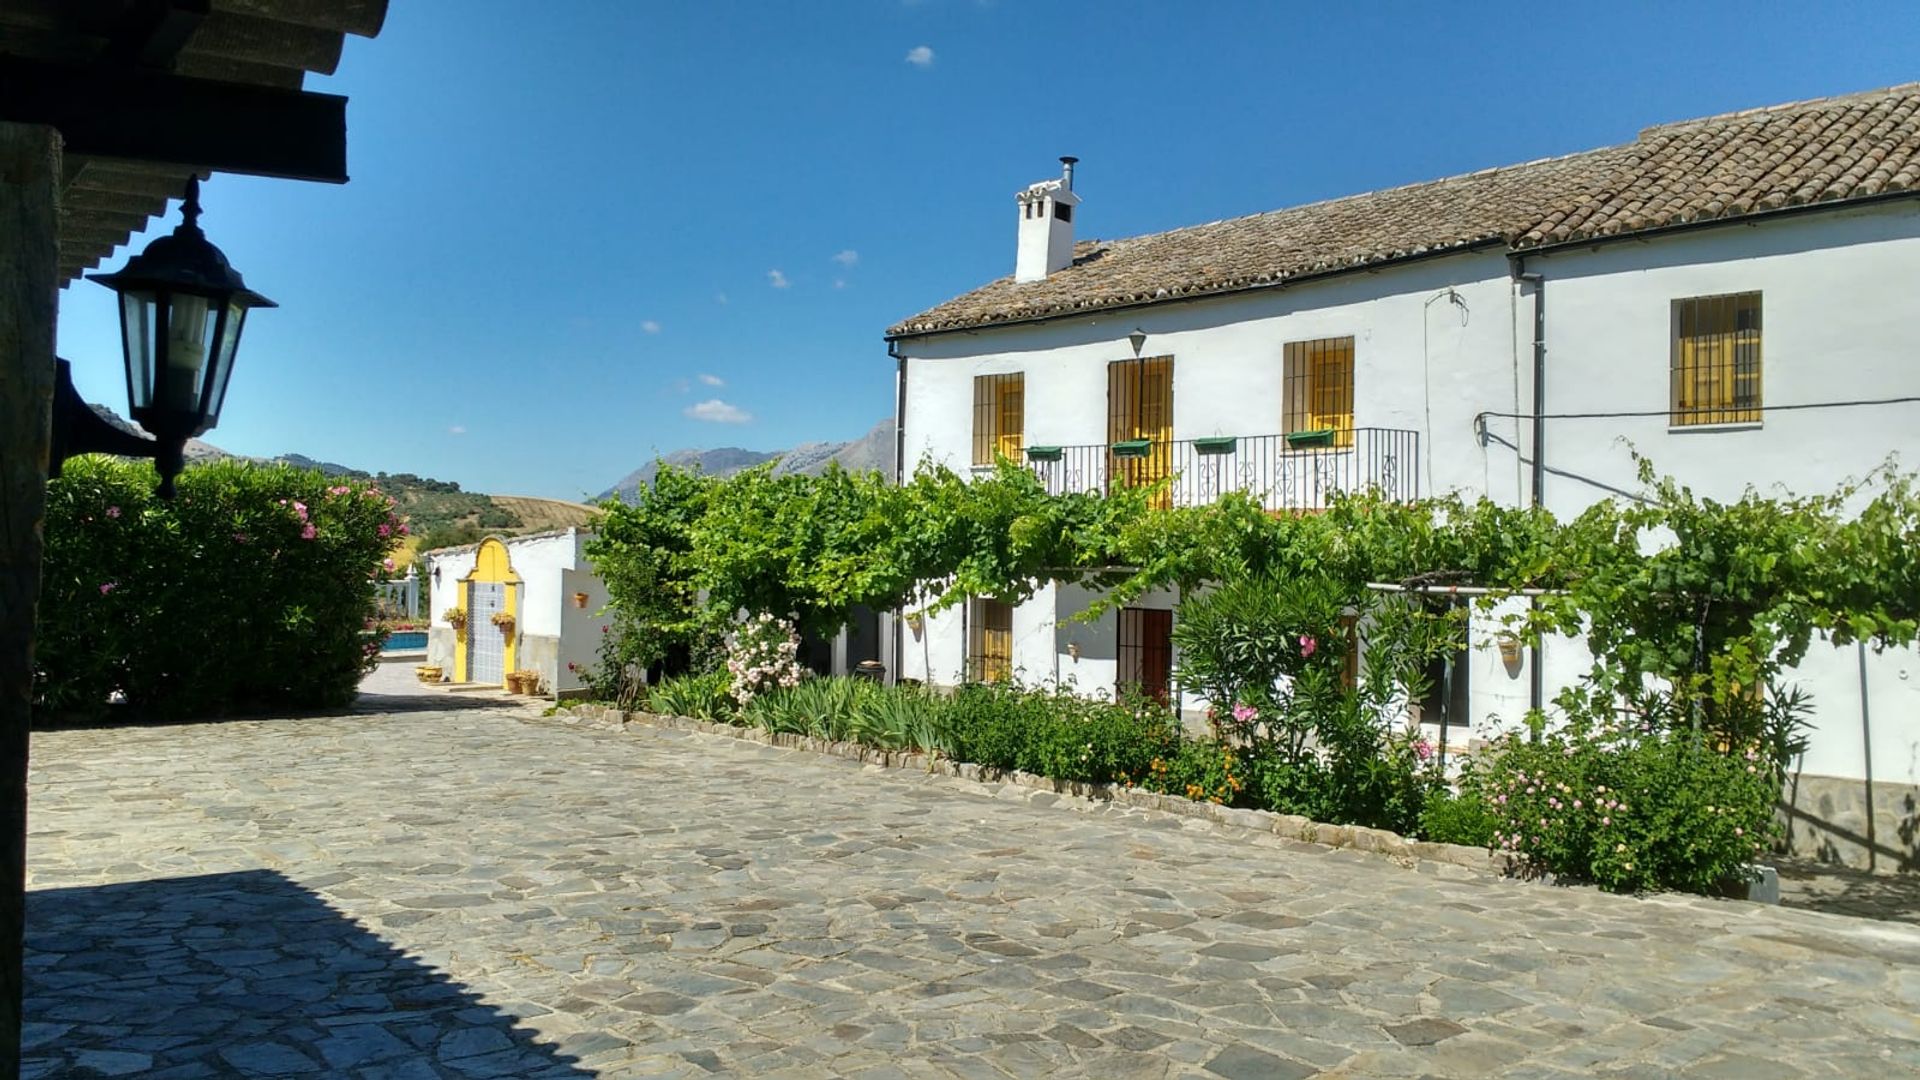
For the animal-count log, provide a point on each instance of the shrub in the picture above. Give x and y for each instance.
(1202, 770)
(761, 656)
(700, 697)
(1058, 734)
(250, 590)
(1463, 818)
(1633, 810)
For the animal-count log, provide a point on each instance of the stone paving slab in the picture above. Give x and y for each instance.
(483, 893)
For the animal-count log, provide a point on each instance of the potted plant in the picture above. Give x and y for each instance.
(456, 617)
(428, 673)
(504, 621)
(1306, 440)
(1131, 448)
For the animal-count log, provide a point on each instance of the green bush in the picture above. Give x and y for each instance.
(250, 590)
(1464, 818)
(701, 697)
(1059, 734)
(1633, 810)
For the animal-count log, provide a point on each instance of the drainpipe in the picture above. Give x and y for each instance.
(1536, 683)
(899, 478)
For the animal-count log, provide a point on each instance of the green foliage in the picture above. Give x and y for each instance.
(250, 590)
(644, 553)
(702, 697)
(1059, 734)
(1633, 810)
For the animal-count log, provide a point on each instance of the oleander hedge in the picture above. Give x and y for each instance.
(251, 590)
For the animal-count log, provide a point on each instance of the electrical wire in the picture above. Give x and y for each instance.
(1480, 417)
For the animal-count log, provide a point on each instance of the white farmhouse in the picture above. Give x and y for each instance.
(1728, 296)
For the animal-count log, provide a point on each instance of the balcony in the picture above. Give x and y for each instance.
(1280, 472)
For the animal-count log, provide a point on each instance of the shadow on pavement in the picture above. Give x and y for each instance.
(1841, 891)
(245, 974)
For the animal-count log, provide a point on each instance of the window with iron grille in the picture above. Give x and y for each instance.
(991, 649)
(1319, 388)
(999, 417)
(1716, 360)
(1145, 653)
(1140, 410)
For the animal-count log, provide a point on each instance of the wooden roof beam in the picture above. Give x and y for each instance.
(170, 119)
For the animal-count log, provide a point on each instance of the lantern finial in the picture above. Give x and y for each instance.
(190, 209)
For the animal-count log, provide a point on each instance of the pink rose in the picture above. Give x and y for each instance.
(1422, 749)
(113, 511)
(309, 532)
(108, 586)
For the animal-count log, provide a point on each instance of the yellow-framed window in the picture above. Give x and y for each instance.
(1318, 379)
(993, 641)
(999, 417)
(1140, 406)
(1715, 369)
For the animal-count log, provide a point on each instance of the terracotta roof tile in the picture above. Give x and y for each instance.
(1830, 150)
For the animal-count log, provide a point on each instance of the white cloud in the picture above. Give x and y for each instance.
(713, 380)
(920, 56)
(650, 326)
(848, 258)
(777, 279)
(457, 429)
(715, 411)
(839, 283)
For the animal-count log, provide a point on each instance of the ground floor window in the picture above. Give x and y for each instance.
(990, 652)
(1146, 653)
(1446, 698)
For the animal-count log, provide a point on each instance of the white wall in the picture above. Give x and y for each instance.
(1228, 366)
(552, 568)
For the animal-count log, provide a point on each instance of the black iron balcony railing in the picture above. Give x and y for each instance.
(1298, 472)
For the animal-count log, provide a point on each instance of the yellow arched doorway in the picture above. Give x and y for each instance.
(490, 598)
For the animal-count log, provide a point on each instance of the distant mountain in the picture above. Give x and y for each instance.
(871, 452)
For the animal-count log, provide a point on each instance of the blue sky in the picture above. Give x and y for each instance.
(580, 233)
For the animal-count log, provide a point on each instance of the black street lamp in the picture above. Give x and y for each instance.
(182, 307)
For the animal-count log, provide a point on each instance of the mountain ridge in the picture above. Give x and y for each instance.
(872, 452)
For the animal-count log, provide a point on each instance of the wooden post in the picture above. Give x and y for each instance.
(29, 286)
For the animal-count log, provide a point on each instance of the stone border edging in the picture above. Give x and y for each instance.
(1285, 826)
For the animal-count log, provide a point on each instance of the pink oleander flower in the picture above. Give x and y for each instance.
(388, 564)
(108, 586)
(309, 532)
(1422, 749)
(1308, 646)
(300, 508)
(403, 528)
(384, 531)
(1245, 714)
(114, 512)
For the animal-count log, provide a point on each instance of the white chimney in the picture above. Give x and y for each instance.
(1046, 226)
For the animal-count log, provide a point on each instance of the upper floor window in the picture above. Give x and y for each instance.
(999, 417)
(1140, 422)
(1319, 388)
(1716, 360)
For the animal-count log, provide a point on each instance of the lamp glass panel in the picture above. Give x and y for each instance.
(226, 344)
(189, 333)
(137, 330)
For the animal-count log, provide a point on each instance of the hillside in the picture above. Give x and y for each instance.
(871, 452)
(439, 513)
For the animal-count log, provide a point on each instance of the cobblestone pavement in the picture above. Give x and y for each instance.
(483, 893)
